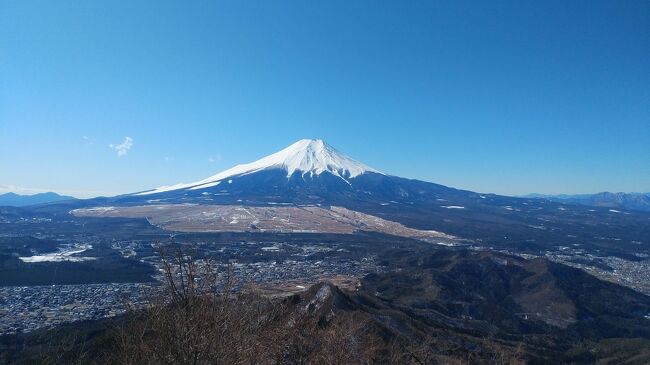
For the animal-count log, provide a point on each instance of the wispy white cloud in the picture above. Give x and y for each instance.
(124, 147)
(88, 140)
(213, 159)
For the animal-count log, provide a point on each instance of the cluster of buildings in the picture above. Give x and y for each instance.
(26, 308)
(288, 270)
(634, 274)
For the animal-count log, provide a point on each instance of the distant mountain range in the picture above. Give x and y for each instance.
(630, 201)
(17, 200)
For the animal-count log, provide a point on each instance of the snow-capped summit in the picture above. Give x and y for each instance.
(307, 156)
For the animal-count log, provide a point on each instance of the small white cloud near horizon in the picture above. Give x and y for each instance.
(214, 159)
(124, 147)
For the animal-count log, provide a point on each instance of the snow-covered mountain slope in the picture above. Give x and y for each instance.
(307, 156)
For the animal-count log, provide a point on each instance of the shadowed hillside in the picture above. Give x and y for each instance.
(453, 307)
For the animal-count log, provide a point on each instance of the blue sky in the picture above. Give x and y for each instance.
(509, 97)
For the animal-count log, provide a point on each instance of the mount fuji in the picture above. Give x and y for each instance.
(312, 157)
(309, 171)
(310, 175)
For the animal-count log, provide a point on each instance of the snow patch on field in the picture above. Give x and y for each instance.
(101, 209)
(64, 254)
(448, 244)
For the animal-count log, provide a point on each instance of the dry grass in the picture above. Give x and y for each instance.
(236, 218)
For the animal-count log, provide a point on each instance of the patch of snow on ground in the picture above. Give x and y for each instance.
(448, 244)
(64, 254)
(101, 209)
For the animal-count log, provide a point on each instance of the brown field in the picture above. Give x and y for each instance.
(237, 218)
